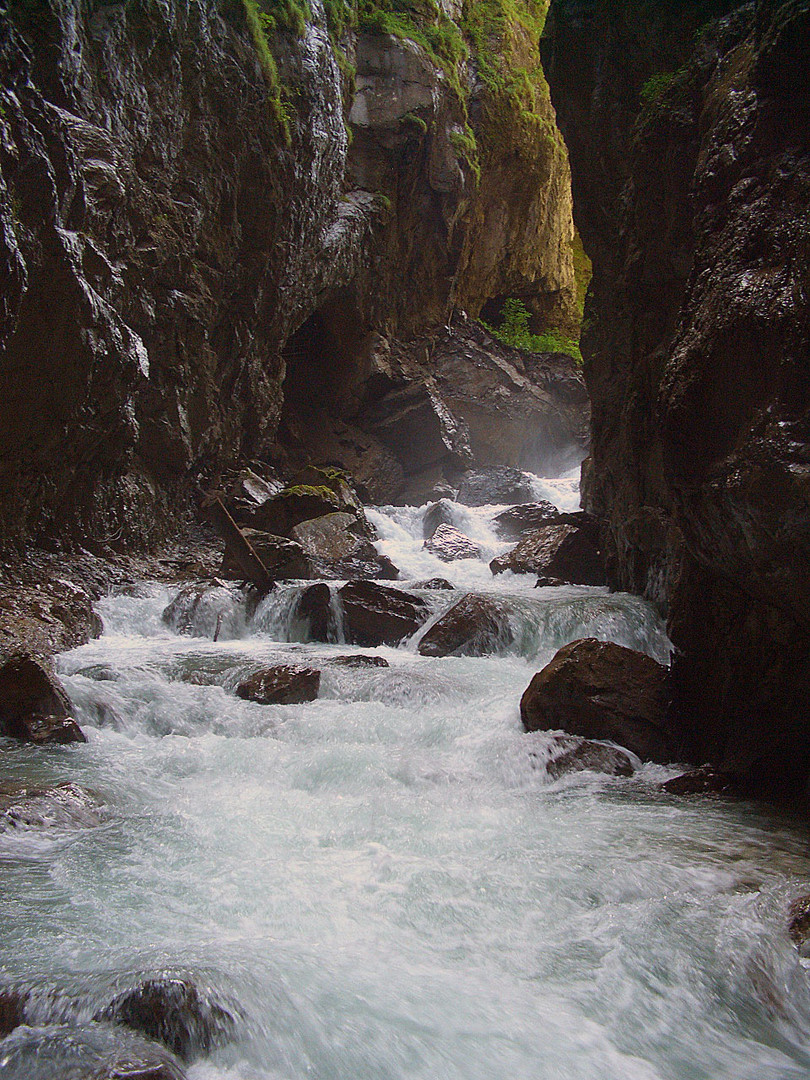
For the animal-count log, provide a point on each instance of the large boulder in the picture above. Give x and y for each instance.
(280, 514)
(338, 482)
(449, 544)
(338, 546)
(475, 626)
(283, 684)
(281, 557)
(517, 521)
(379, 615)
(601, 690)
(174, 1011)
(497, 484)
(34, 706)
(563, 551)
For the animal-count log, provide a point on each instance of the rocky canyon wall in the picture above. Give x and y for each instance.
(688, 126)
(220, 219)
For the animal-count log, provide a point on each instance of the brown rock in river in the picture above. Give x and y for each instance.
(284, 684)
(475, 626)
(570, 754)
(449, 544)
(517, 521)
(281, 557)
(601, 690)
(34, 706)
(563, 551)
(174, 1011)
(379, 615)
(703, 781)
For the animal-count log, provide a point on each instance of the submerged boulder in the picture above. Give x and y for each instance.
(569, 754)
(517, 521)
(358, 661)
(63, 806)
(284, 684)
(449, 544)
(95, 1051)
(497, 484)
(563, 552)
(703, 781)
(173, 1011)
(202, 608)
(475, 626)
(438, 513)
(601, 690)
(34, 706)
(434, 584)
(379, 615)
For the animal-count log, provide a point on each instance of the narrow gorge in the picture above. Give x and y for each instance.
(404, 486)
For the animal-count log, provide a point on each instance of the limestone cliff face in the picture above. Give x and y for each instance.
(196, 250)
(688, 132)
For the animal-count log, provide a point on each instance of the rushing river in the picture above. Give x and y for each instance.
(385, 883)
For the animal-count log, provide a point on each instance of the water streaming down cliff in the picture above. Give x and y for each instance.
(385, 882)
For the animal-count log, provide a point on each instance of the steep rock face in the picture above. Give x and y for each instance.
(691, 175)
(189, 239)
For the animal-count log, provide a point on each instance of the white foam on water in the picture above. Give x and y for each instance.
(387, 881)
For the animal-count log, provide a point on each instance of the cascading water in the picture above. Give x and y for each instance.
(385, 882)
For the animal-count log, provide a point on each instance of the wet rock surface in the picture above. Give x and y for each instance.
(379, 615)
(280, 556)
(439, 513)
(201, 608)
(799, 924)
(179, 362)
(34, 706)
(569, 755)
(449, 544)
(435, 584)
(284, 684)
(601, 690)
(359, 661)
(45, 618)
(475, 626)
(315, 605)
(88, 1052)
(703, 781)
(696, 344)
(66, 805)
(563, 552)
(517, 521)
(495, 485)
(174, 1012)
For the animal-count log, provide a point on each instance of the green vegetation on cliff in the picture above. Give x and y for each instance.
(514, 330)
